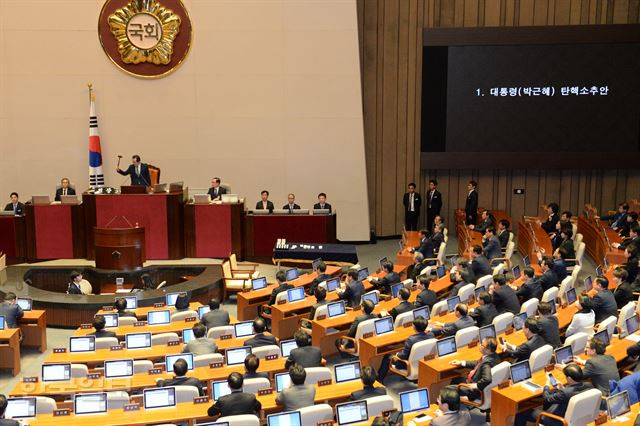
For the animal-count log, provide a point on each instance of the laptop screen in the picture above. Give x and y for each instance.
(604, 336)
(219, 388)
(295, 294)
(336, 308)
(414, 400)
(18, 408)
(132, 302)
(618, 404)
(346, 372)
(363, 274)
(286, 346)
(452, 302)
(520, 371)
(237, 355)
(244, 328)
(292, 274)
(91, 403)
(315, 263)
(82, 344)
(554, 308)
(446, 346)
(283, 381)
(440, 271)
(171, 359)
(423, 312)
(351, 412)
(599, 271)
(111, 320)
(259, 283)
(138, 340)
(25, 303)
(383, 325)
(478, 290)
(632, 324)
(118, 368)
(56, 372)
(487, 331)
(158, 317)
(588, 283)
(571, 296)
(187, 335)
(372, 295)
(516, 271)
(172, 297)
(518, 320)
(395, 289)
(526, 261)
(159, 397)
(564, 355)
(2, 322)
(202, 310)
(290, 418)
(382, 261)
(333, 284)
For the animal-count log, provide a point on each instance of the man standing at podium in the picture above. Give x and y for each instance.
(138, 171)
(15, 205)
(64, 189)
(216, 190)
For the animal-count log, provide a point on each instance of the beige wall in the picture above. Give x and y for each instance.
(269, 98)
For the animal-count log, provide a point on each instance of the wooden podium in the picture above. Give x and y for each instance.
(119, 248)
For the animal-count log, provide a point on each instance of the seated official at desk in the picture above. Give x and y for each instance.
(466, 270)
(618, 219)
(531, 287)
(216, 317)
(429, 244)
(216, 191)
(3, 408)
(632, 254)
(563, 238)
(419, 326)
(182, 302)
(367, 308)
(600, 367)
(10, 310)
(491, 244)
(549, 225)
(634, 238)
(78, 285)
(353, 291)
(98, 324)
(623, 291)
(458, 281)
(305, 354)
(555, 399)
(321, 300)
(531, 330)
(503, 232)
(64, 189)
(463, 320)
(260, 339)
(237, 402)
(298, 395)
(368, 376)
(583, 320)
(264, 203)
(251, 364)
(485, 312)
(425, 297)
(480, 265)
(180, 369)
(402, 307)
(138, 171)
(549, 328)
(291, 203)
(322, 203)
(480, 375)
(548, 278)
(283, 285)
(322, 276)
(390, 277)
(504, 297)
(417, 266)
(449, 412)
(15, 205)
(121, 309)
(200, 344)
(487, 220)
(604, 302)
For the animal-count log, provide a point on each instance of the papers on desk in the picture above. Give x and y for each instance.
(633, 337)
(123, 290)
(530, 386)
(419, 420)
(622, 419)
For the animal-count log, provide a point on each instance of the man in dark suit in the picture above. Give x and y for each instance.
(601, 367)
(402, 307)
(458, 282)
(10, 310)
(549, 328)
(559, 266)
(634, 238)
(480, 264)
(619, 218)
(429, 244)
(434, 203)
(384, 284)
(297, 395)
(419, 326)
(291, 203)
(322, 276)
(322, 203)
(15, 205)
(283, 285)
(451, 328)
(3, 408)
(531, 330)
(321, 299)
(264, 203)
(200, 344)
(623, 291)
(485, 312)
(180, 369)
(368, 376)
(491, 244)
(417, 267)
(237, 402)
(139, 172)
(471, 205)
(604, 302)
(487, 221)
(449, 412)
(64, 189)
(549, 225)
(548, 278)
(556, 399)
(425, 297)
(121, 308)
(74, 285)
(503, 232)
(504, 298)
(216, 190)
(352, 294)
(251, 365)
(367, 308)
(531, 288)
(411, 202)
(98, 324)
(260, 339)
(216, 317)
(305, 354)
(480, 375)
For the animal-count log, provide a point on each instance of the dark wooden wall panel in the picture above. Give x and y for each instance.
(391, 65)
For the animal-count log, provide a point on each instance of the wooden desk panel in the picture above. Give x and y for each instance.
(596, 245)
(214, 230)
(34, 329)
(527, 242)
(10, 350)
(13, 238)
(101, 355)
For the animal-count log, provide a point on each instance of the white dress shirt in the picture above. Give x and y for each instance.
(582, 322)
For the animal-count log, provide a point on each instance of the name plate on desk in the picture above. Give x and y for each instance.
(29, 380)
(504, 384)
(216, 364)
(115, 348)
(173, 343)
(429, 357)
(62, 412)
(246, 290)
(85, 326)
(190, 319)
(325, 423)
(367, 335)
(473, 344)
(139, 324)
(201, 400)
(549, 367)
(325, 382)
(132, 407)
(267, 391)
(357, 307)
(158, 305)
(59, 350)
(509, 331)
(94, 376)
(107, 308)
(407, 324)
(443, 313)
(226, 337)
(601, 419)
(270, 357)
(282, 302)
(321, 317)
(153, 371)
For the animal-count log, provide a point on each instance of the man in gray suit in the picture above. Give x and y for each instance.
(180, 369)
(216, 317)
(298, 395)
(304, 355)
(491, 244)
(200, 345)
(601, 367)
(10, 310)
(449, 413)
(451, 328)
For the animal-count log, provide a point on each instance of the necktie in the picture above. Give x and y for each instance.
(64, 191)
(472, 372)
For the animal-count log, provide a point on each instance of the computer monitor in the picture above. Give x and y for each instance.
(454, 261)
(477, 291)
(159, 317)
(25, 303)
(289, 418)
(604, 336)
(423, 312)
(118, 368)
(564, 355)
(236, 356)
(487, 331)
(526, 261)
(169, 360)
(518, 320)
(132, 301)
(335, 309)
(363, 274)
(382, 261)
(605, 264)
(82, 344)
(618, 404)
(159, 398)
(520, 371)
(333, 284)
(632, 324)
(111, 320)
(598, 271)
(219, 388)
(415, 400)
(282, 380)
(553, 306)
(315, 264)
(56, 372)
(3, 322)
(258, 283)
(138, 340)
(172, 297)
(286, 346)
(440, 271)
(383, 325)
(187, 335)
(90, 403)
(588, 283)
(243, 328)
(295, 294)
(516, 271)
(203, 310)
(571, 296)
(446, 346)
(352, 412)
(395, 289)
(372, 296)
(347, 371)
(452, 302)
(20, 408)
(292, 274)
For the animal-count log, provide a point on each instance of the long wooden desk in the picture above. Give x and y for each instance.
(172, 327)
(467, 238)
(527, 242)
(141, 312)
(10, 350)
(13, 238)
(596, 244)
(411, 240)
(624, 420)
(34, 329)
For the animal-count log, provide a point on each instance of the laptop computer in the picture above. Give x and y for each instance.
(282, 381)
(372, 296)
(158, 317)
(201, 199)
(3, 322)
(395, 289)
(243, 328)
(315, 264)
(132, 301)
(259, 283)
(203, 310)
(118, 368)
(289, 418)
(487, 331)
(292, 274)
(414, 400)
(111, 320)
(333, 284)
(446, 346)
(335, 309)
(618, 404)
(20, 408)
(295, 294)
(286, 346)
(236, 356)
(526, 261)
(516, 271)
(171, 298)
(518, 320)
(159, 398)
(187, 335)
(351, 412)
(571, 296)
(383, 325)
(632, 324)
(138, 340)
(363, 274)
(40, 200)
(219, 388)
(452, 302)
(229, 198)
(69, 199)
(82, 344)
(91, 403)
(521, 373)
(604, 336)
(347, 371)
(588, 283)
(25, 303)
(441, 271)
(423, 312)
(56, 372)
(382, 261)
(563, 355)
(169, 360)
